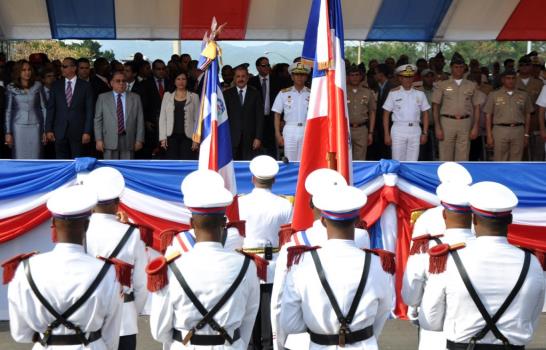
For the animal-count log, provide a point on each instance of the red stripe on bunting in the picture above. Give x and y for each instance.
(196, 17)
(526, 236)
(156, 223)
(526, 22)
(18, 225)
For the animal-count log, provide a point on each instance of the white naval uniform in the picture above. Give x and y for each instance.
(264, 213)
(184, 241)
(103, 235)
(316, 235)
(414, 283)
(493, 265)
(209, 270)
(306, 306)
(294, 104)
(406, 107)
(63, 275)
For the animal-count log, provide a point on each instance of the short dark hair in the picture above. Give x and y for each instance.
(156, 62)
(132, 65)
(83, 60)
(72, 60)
(383, 69)
(508, 61)
(101, 61)
(342, 224)
(259, 60)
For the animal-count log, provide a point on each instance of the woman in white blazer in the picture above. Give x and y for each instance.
(179, 113)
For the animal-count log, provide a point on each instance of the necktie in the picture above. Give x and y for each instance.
(241, 97)
(161, 88)
(68, 93)
(119, 112)
(264, 95)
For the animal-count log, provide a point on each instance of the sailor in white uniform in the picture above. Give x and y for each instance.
(65, 299)
(106, 234)
(486, 292)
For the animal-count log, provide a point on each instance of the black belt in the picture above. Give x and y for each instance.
(127, 298)
(358, 125)
(199, 339)
(458, 117)
(509, 125)
(350, 337)
(464, 346)
(69, 339)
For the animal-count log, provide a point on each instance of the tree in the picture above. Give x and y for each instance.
(58, 49)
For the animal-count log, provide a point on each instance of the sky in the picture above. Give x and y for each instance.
(234, 52)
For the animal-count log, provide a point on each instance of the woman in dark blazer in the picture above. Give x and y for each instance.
(25, 113)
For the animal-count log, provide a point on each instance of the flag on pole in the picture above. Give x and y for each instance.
(212, 128)
(326, 141)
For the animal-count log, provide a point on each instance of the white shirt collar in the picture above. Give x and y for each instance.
(259, 189)
(340, 242)
(73, 80)
(68, 248)
(244, 89)
(104, 216)
(208, 245)
(492, 239)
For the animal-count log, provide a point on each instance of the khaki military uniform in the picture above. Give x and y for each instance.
(508, 119)
(536, 144)
(360, 102)
(456, 117)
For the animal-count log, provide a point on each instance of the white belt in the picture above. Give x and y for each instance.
(295, 124)
(407, 123)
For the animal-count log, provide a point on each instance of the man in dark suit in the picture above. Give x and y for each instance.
(152, 95)
(133, 85)
(69, 121)
(378, 150)
(4, 150)
(246, 116)
(100, 81)
(268, 87)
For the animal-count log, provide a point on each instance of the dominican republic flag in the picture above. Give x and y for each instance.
(326, 140)
(212, 129)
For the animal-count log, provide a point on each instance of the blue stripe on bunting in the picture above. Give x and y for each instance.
(376, 235)
(224, 145)
(408, 20)
(82, 19)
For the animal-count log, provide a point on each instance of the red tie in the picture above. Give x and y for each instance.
(161, 88)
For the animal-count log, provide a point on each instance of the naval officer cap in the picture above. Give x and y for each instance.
(340, 203)
(205, 195)
(492, 199)
(72, 203)
(454, 172)
(298, 68)
(454, 196)
(107, 182)
(264, 167)
(323, 177)
(406, 70)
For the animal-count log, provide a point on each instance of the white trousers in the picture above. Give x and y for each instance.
(405, 141)
(293, 141)
(429, 340)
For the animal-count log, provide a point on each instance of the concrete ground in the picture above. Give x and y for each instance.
(397, 335)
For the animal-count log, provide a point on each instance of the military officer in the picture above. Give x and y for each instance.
(106, 234)
(541, 103)
(487, 293)
(337, 306)
(315, 235)
(508, 115)
(458, 221)
(431, 221)
(293, 102)
(456, 112)
(361, 103)
(53, 301)
(406, 104)
(532, 86)
(208, 296)
(264, 212)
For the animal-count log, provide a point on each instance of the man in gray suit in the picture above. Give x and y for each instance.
(119, 121)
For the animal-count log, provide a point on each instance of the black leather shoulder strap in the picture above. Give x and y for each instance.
(343, 320)
(122, 241)
(491, 321)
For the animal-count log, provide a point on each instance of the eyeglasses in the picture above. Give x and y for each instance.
(67, 66)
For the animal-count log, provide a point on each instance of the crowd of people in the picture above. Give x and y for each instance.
(258, 284)
(137, 109)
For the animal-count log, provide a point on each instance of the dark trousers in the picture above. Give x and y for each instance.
(68, 148)
(269, 143)
(127, 342)
(179, 147)
(262, 334)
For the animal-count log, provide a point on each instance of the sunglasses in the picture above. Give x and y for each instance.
(67, 66)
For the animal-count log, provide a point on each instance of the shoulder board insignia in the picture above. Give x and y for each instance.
(415, 214)
(396, 88)
(387, 259)
(10, 266)
(166, 238)
(261, 264)
(541, 256)
(438, 256)
(287, 89)
(296, 252)
(285, 233)
(124, 270)
(420, 244)
(157, 271)
(239, 225)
